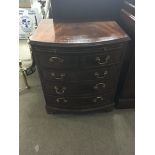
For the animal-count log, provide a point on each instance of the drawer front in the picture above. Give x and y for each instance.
(69, 50)
(103, 73)
(76, 89)
(98, 59)
(59, 75)
(84, 75)
(77, 102)
(57, 61)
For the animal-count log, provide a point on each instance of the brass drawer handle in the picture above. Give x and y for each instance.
(56, 60)
(98, 99)
(100, 85)
(60, 77)
(101, 76)
(59, 91)
(61, 100)
(100, 62)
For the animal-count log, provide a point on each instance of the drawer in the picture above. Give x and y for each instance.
(84, 75)
(59, 75)
(57, 61)
(76, 89)
(101, 59)
(69, 50)
(79, 102)
(104, 73)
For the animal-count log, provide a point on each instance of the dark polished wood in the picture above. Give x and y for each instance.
(128, 20)
(125, 97)
(129, 7)
(77, 33)
(79, 64)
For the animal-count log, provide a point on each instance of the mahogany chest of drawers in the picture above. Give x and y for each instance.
(79, 63)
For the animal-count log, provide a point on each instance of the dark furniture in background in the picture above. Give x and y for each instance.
(123, 12)
(125, 96)
(79, 63)
(85, 10)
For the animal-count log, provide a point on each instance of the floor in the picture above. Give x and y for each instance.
(90, 134)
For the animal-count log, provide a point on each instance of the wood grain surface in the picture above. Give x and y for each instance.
(77, 33)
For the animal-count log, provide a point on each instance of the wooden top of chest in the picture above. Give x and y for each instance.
(81, 33)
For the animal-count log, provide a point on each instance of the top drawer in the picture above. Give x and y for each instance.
(57, 61)
(66, 58)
